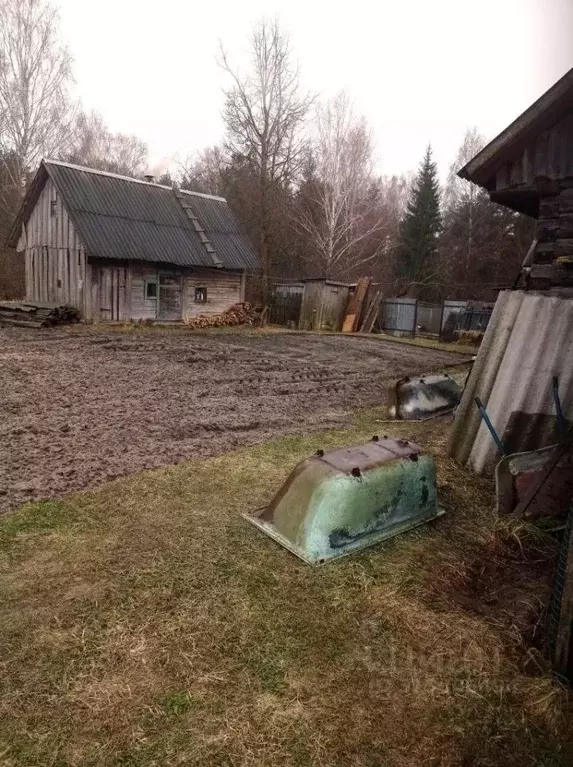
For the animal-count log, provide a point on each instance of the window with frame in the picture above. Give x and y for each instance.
(200, 295)
(151, 290)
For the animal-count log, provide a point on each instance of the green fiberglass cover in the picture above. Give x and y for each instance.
(336, 503)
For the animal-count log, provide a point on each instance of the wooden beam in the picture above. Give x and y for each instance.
(564, 629)
(354, 308)
(555, 274)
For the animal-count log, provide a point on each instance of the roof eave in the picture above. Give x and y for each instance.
(27, 205)
(542, 112)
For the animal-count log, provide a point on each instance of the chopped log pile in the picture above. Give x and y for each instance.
(34, 314)
(238, 314)
(468, 337)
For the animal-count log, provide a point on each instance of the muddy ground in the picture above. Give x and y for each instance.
(80, 406)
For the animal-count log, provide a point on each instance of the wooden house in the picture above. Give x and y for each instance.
(529, 168)
(123, 249)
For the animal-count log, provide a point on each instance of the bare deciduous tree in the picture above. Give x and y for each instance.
(482, 244)
(96, 146)
(36, 113)
(204, 171)
(462, 194)
(344, 211)
(264, 112)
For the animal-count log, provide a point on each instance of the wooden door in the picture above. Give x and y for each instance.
(169, 296)
(112, 293)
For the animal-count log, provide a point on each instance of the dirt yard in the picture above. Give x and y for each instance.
(80, 406)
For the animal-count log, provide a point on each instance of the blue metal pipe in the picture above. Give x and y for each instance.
(490, 426)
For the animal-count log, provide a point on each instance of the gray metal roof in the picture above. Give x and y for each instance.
(120, 217)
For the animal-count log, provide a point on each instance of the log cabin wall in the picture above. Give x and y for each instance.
(539, 180)
(203, 291)
(211, 291)
(543, 162)
(553, 258)
(55, 259)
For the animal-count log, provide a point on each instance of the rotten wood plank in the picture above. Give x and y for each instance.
(353, 311)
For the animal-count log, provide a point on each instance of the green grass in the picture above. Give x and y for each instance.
(147, 624)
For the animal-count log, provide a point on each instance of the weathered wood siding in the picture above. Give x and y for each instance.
(55, 258)
(334, 301)
(323, 306)
(223, 290)
(110, 290)
(555, 241)
(549, 156)
(143, 308)
(310, 309)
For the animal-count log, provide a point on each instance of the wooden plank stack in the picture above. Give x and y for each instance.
(371, 314)
(238, 314)
(355, 305)
(34, 314)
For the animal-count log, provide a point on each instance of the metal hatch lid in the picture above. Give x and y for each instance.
(374, 453)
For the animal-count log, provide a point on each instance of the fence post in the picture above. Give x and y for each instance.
(415, 319)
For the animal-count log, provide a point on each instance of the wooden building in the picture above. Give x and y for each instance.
(529, 168)
(323, 304)
(122, 249)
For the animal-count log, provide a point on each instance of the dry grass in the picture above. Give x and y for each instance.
(148, 624)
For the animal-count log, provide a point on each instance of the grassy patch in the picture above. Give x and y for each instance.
(147, 624)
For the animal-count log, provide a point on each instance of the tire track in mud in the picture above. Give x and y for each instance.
(81, 406)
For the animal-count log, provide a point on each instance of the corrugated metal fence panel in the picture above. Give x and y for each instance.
(295, 288)
(428, 319)
(529, 339)
(399, 316)
(452, 307)
(285, 307)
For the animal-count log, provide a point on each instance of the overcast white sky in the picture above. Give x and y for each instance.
(420, 70)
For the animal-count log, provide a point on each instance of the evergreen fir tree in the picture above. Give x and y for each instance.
(419, 230)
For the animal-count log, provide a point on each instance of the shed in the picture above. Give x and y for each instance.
(323, 304)
(529, 168)
(119, 248)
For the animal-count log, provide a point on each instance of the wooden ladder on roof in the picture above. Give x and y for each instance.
(192, 216)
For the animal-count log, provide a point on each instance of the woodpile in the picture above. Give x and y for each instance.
(34, 314)
(238, 314)
(468, 337)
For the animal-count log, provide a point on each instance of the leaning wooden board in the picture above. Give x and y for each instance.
(371, 314)
(354, 309)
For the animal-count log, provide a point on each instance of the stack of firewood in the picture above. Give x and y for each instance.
(468, 337)
(34, 314)
(238, 314)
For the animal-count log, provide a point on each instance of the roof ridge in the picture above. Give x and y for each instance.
(97, 171)
(202, 194)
